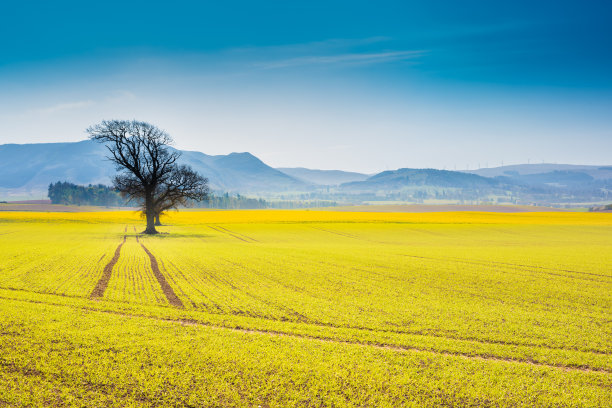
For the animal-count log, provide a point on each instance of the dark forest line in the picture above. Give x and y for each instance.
(66, 193)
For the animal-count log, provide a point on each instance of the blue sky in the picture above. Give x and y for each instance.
(358, 85)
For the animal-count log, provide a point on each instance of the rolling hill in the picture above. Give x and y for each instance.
(27, 169)
(323, 177)
(518, 170)
(401, 178)
(566, 176)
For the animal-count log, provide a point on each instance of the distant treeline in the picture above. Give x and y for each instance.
(227, 201)
(291, 204)
(601, 208)
(71, 194)
(235, 202)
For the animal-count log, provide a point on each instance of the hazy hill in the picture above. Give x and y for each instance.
(555, 175)
(242, 172)
(323, 177)
(596, 172)
(401, 178)
(554, 178)
(27, 169)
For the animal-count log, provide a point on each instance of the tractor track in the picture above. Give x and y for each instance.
(530, 268)
(166, 288)
(235, 235)
(100, 288)
(424, 333)
(102, 284)
(380, 346)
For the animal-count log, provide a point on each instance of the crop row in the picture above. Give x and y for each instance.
(52, 356)
(526, 294)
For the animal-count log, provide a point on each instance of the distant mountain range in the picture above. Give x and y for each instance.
(26, 170)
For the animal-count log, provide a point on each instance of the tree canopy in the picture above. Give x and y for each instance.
(148, 169)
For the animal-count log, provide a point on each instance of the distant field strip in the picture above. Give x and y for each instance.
(307, 308)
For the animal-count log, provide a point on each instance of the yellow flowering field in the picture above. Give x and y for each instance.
(306, 308)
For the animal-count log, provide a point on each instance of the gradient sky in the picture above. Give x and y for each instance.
(356, 85)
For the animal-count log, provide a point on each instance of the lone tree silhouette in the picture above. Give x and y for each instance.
(148, 170)
(182, 187)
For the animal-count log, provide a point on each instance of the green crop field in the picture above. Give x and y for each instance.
(306, 308)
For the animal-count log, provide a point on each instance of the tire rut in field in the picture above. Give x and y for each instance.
(166, 288)
(102, 284)
(490, 298)
(39, 292)
(234, 233)
(390, 347)
(173, 279)
(351, 236)
(220, 311)
(195, 287)
(529, 268)
(224, 231)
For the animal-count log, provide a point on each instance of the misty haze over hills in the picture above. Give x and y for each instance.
(26, 171)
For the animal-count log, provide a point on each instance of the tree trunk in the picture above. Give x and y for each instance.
(157, 221)
(149, 213)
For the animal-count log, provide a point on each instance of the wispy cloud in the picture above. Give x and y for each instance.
(346, 59)
(64, 107)
(329, 45)
(334, 51)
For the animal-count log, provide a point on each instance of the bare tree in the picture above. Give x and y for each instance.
(180, 189)
(147, 166)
